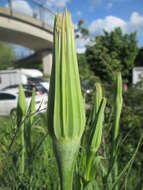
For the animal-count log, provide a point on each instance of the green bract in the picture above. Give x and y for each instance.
(66, 114)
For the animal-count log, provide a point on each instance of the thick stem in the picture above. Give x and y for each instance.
(66, 153)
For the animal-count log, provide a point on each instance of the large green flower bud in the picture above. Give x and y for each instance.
(66, 114)
(118, 101)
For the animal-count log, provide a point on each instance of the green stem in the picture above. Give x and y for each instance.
(30, 182)
(115, 164)
(115, 173)
(89, 166)
(23, 149)
(66, 153)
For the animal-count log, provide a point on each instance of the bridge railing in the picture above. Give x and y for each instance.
(32, 8)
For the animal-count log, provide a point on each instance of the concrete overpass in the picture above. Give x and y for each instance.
(29, 32)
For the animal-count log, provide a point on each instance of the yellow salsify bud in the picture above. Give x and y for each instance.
(21, 106)
(21, 114)
(66, 113)
(96, 130)
(97, 101)
(118, 101)
(97, 134)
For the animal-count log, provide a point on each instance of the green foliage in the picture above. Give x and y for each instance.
(40, 168)
(103, 169)
(6, 56)
(25, 162)
(34, 63)
(131, 130)
(86, 74)
(139, 58)
(40, 165)
(112, 52)
(87, 77)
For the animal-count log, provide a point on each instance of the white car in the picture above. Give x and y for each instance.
(9, 99)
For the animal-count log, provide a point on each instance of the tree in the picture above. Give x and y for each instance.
(87, 76)
(81, 30)
(113, 52)
(6, 56)
(139, 58)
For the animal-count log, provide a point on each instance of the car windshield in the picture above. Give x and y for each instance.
(37, 80)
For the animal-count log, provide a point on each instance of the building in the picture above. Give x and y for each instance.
(137, 74)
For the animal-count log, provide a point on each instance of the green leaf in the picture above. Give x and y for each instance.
(92, 185)
(128, 165)
(97, 128)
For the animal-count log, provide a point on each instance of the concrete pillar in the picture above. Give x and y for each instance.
(47, 62)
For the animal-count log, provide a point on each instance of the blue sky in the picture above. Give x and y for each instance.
(97, 14)
(109, 14)
(95, 9)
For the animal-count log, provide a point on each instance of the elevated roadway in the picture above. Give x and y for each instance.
(29, 32)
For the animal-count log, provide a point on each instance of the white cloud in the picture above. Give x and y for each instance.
(22, 6)
(136, 22)
(109, 23)
(81, 44)
(56, 3)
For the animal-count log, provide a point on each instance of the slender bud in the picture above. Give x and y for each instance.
(118, 101)
(21, 113)
(96, 130)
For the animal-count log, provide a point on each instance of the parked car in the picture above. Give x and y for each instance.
(9, 99)
(40, 90)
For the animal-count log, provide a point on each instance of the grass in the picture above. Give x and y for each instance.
(43, 165)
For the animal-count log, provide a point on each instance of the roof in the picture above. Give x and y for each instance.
(28, 72)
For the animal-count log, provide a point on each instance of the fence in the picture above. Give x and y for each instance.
(32, 8)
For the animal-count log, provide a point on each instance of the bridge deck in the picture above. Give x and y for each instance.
(24, 30)
(24, 18)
